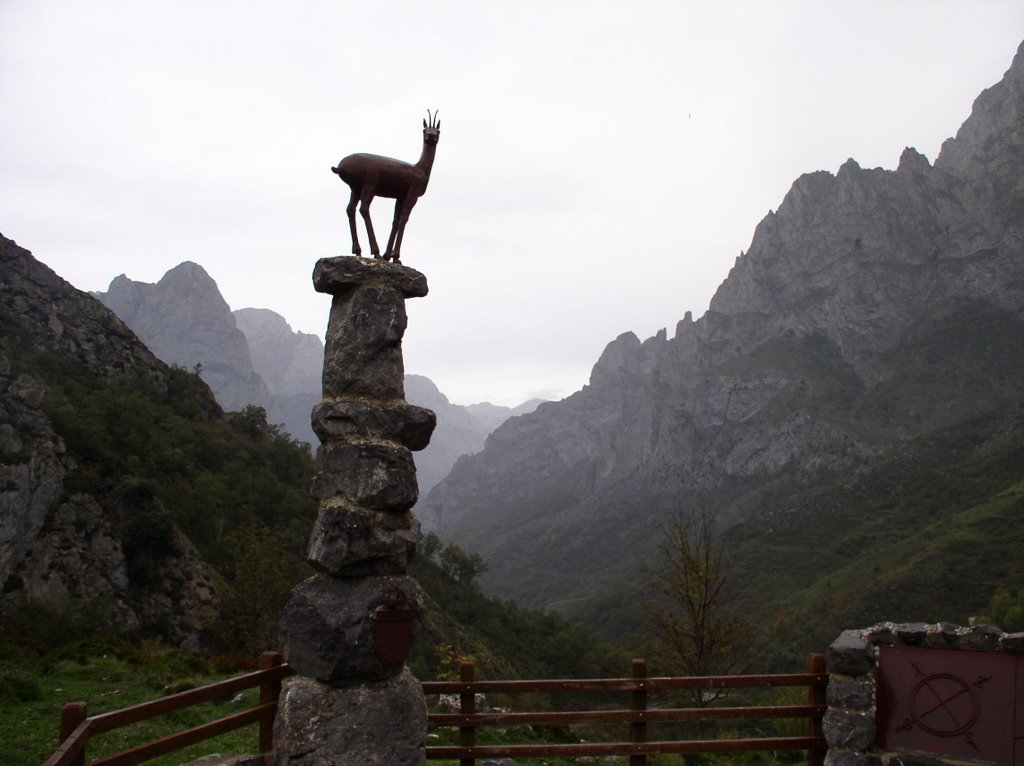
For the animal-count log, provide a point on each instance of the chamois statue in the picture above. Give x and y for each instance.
(370, 175)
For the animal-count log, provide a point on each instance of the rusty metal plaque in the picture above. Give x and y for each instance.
(958, 704)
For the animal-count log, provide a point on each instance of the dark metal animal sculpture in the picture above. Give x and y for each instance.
(370, 175)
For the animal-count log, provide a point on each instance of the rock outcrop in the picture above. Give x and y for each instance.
(58, 545)
(872, 306)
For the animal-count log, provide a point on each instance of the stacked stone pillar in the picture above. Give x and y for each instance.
(347, 706)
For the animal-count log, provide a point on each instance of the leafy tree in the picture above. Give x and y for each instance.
(461, 566)
(695, 633)
(1005, 610)
(261, 575)
(430, 544)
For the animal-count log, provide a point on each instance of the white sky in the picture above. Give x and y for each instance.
(601, 164)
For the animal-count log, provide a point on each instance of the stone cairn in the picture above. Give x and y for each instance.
(347, 705)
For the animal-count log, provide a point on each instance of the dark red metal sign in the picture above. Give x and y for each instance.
(953, 703)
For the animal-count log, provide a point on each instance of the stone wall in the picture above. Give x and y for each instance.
(857, 734)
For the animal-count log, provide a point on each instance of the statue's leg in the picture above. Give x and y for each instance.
(364, 211)
(399, 204)
(351, 210)
(400, 225)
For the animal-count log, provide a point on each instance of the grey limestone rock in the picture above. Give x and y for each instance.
(328, 630)
(851, 694)
(370, 474)
(349, 541)
(367, 724)
(348, 419)
(850, 654)
(337, 276)
(363, 354)
(849, 731)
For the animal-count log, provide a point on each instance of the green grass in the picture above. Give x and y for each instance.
(30, 720)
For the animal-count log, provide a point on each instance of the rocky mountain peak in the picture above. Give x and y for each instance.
(993, 132)
(185, 320)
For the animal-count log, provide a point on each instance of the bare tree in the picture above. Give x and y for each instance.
(694, 630)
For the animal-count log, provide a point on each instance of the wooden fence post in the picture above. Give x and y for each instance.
(816, 695)
(71, 715)
(270, 691)
(467, 706)
(638, 702)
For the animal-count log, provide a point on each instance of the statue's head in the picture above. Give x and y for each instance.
(432, 132)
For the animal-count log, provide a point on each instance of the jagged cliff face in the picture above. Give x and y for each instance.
(55, 543)
(289, 362)
(184, 320)
(872, 306)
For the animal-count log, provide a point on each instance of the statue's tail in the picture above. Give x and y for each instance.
(335, 170)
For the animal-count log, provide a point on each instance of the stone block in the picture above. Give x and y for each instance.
(354, 541)
(347, 420)
(363, 349)
(849, 731)
(944, 635)
(377, 724)
(981, 638)
(882, 634)
(328, 631)
(340, 275)
(1012, 643)
(373, 475)
(850, 654)
(851, 694)
(846, 758)
(912, 633)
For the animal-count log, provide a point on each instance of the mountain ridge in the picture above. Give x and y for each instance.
(796, 366)
(252, 356)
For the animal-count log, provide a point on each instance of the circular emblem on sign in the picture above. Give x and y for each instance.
(944, 705)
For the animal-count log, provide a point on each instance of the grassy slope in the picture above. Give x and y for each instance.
(925, 533)
(109, 678)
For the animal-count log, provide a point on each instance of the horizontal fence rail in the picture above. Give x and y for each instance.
(636, 717)
(77, 727)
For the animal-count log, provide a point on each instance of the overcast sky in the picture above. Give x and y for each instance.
(600, 167)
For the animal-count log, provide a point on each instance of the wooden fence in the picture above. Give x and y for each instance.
(77, 727)
(637, 716)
